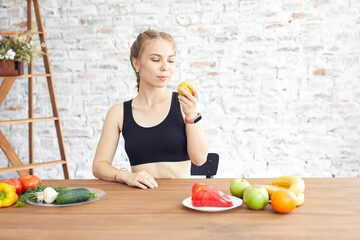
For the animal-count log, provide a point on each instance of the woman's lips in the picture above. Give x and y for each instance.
(163, 78)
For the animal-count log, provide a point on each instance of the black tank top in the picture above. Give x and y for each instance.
(165, 142)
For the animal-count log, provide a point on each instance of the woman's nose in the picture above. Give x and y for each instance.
(164, 66)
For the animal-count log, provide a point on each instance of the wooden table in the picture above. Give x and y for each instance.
(331, 211)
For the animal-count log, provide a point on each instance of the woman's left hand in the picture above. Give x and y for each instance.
(189, 102)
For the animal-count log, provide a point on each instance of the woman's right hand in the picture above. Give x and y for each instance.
(140, 179)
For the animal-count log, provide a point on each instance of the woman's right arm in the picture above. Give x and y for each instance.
(105, 152)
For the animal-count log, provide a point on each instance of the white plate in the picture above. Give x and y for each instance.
(236, 203)
(100, 193)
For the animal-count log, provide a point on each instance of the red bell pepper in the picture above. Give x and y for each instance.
(204, 195)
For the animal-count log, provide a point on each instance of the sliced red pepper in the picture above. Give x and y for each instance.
(205, 199)
(208, 196)
(216, 198)
(225, 200)
(197, 187)
(199, 197)
(195, 193)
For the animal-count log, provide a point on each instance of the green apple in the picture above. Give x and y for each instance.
(238, 186)
(256, 197)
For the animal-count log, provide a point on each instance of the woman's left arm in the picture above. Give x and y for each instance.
(197, 145)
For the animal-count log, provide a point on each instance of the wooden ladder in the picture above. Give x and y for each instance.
(18, 165)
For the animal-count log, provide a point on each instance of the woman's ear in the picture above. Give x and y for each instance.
(136, 64)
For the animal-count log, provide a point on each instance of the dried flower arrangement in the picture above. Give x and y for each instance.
(19, 47)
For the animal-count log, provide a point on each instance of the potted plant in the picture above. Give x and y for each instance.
(15, 51)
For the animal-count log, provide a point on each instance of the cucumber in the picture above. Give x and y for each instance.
(73, 195)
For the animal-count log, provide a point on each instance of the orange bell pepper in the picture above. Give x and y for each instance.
(8, 195)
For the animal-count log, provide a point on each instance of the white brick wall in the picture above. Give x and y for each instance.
(279, 80)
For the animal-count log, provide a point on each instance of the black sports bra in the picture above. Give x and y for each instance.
(165, 142)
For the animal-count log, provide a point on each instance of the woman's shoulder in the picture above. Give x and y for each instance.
(116, 111)
(118, 107)
(115, 114)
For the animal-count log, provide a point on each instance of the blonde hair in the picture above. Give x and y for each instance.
(139, 44)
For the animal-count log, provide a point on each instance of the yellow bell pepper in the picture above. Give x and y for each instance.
(8, 195)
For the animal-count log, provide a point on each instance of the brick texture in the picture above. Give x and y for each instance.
(279, 80)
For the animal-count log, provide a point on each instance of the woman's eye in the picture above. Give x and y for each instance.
(155, 60)
(171, 61)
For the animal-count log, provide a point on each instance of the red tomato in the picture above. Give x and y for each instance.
(29, 181)
(14, 182)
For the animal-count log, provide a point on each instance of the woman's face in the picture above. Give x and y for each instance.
(156, 63)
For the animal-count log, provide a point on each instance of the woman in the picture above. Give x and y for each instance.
(161, 129)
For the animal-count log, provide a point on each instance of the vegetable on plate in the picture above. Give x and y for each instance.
(38, 194)
(73, 195)
(204, 195)
(58, 195)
